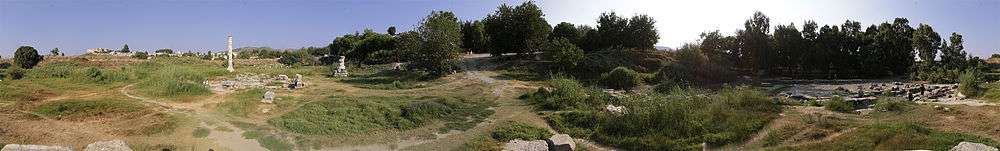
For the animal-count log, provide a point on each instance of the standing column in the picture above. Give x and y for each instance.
(229, 45)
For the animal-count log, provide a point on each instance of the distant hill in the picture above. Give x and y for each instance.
(663, 48)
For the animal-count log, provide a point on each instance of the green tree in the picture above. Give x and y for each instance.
(622, 78)
(289, 59)
(441, 48)
(642, 32)
(125, 49)
(55, 52)
(756, 49)
(567, 31)
(563, 53)
(590, 39)
(718, 48)
(408, 44)
(474, 36)
(612, 29)
(165, 51)
(391, 30)
(140, 55)
(27, 57)
(521, 29)
(788, 43)
(954, 56)
(927, 43)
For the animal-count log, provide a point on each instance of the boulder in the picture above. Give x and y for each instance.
(970, 146)
(268, 97)
(561, 142)
(523, 145)
(111, 145)
(19, 147)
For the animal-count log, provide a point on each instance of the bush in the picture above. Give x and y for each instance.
(201, 132)
(140, 55)
(85, 108)
(566, 94)
(839, 104)
(289, 59)
(27, 57)
(563, 53)
(969, 83)
(16, 73)
(349, 115)
(622, 78)
(891, 104)
(520, 131)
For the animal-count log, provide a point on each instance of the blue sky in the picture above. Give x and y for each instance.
(201, 25)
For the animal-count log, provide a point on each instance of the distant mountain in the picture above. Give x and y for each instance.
(663, 48)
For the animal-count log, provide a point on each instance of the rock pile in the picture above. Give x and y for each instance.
(561, 142)
(522, 145)
(969, 146)
(911, 91)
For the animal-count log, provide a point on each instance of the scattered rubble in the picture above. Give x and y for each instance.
(969, 146)
(268, 97)
(615, 109)
(865, 93)
(111, 145)
(561, 142)
(522, 145)
(249, 81)
(19, 147)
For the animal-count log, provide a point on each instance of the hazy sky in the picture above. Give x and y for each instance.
(202, 25)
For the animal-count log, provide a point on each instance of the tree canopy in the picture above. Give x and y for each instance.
(27, 57)
(521, 29)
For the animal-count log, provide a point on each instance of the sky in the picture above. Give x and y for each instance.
(202, 25)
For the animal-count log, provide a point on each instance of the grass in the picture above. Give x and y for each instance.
(520, 131)
(354, 115)
(242, 104)
(201, 132)
(87, 108)
(895, 136)
(382, 77)
(266, 140)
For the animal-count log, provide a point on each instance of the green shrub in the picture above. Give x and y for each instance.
(16, 73)
(838, 104)
(969, 83)
(891, 104)
(289, 59)
(566, 94)
(520, 131)
(201, 132)
(622, 78)
(140, 55)
(482, 143)
(563, 53)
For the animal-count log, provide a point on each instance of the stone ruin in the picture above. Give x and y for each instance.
(341, 68)
(863, 95)
(558, 142)
(249, 81)
(268, 97)
(297, 82)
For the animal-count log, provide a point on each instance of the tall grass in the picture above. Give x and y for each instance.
(242, 103)
(85, 108)
(350, 115)
(895, 136)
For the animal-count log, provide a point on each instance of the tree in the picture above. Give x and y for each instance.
(954, 56)
(289, 59)
(125, 49)
(563, 53)
(643, 33)
(927, 43)
(165, 51)
(755, 49)
(590, 40)
(391, 30)
(612, 29)
(441, 47)
(407, 45)
(474, 36)
(55, 52)
(567, 31)
(520, 29)
(789, 44)
(27, 57)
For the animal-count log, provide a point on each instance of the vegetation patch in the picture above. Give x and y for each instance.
(201, 132)
(387, 79)
(86, 108)
(243, 103)
(895, 136)
(520, 131)
(352, 115)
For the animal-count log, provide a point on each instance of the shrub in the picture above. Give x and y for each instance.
(289, 59)
(563, 53)
(520, 131)
(27, 57)
(140, 55)
(622, 78)
(16, 73)
(84, 108)
(969, 83)
(200, 132)
(891, 104)
(839, 104)
(565, 94)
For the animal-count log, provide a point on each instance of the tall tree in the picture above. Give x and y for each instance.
(642, 31)
(442, 40)
(613, 31)
(927, 43)
(125, 49)
(953, 56)
(590, 39)
(788, 43)
(565, 30)
(755, 50)
(391, 30)
(474, 36)
(520, 29)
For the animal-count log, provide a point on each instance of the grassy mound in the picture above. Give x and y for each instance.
(382, 77)
(86, 108)
(520, 131)
(242, 103)
(895, 136)
(352, 115)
